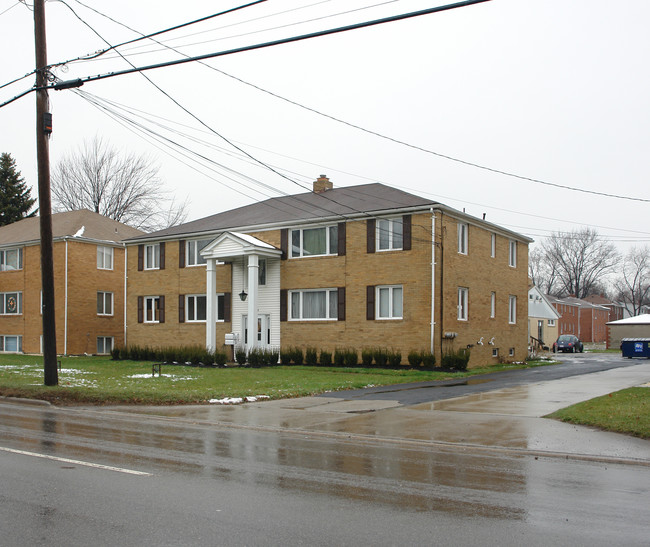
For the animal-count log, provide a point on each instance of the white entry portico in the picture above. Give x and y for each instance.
(255, 288)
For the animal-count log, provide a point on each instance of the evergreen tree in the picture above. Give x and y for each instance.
(15, 196)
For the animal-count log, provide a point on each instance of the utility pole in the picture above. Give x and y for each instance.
(43, 130)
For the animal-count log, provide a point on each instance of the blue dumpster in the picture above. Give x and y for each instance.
(635, 347)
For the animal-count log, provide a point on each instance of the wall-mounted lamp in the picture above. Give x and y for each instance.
(243, 296)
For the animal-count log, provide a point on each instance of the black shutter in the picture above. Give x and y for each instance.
(227, 307)
(341, 291)
(161, 309)
(370, 302)
(283, 304)
(341, 241)
(371, 235)
(284, 243)
(140, 309)
(181, 253)
(406, 232)
(140, 258)
(181, 308)
(162, 257)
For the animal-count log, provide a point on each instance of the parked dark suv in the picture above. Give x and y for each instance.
(568, 342)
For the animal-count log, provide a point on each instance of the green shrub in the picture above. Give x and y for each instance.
(350, 358)
(456, 360)
(256, 357)
(286, 356)
(428, 360)
(271, 356)
(240, 355)
(381, 356)
(326, 358)
(366, 357)
(297, 356)
(394, 359)
(311, 357)
(415, 358)
(339, 357)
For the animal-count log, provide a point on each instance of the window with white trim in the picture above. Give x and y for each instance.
(314, 304)
(321, 241)
(463, 239)
(493, 245)
(104, 345)
(390, 302)
(390, 234)
(195, 308)
(193, 251)
(512, 310)
(152, 256)
(261, 272)
(463, 303)
(104, 258)
(512, 255)
(551, 322)
(493, 305)
(11, 259)
(11, 343)
(11, 303)
(104, 303)
(152, 309)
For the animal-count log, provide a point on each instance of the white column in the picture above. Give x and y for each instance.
(211, 304)
(253, 278)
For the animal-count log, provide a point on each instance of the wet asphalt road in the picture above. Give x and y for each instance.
(298, 474)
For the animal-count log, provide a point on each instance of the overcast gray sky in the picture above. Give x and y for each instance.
(553, 90)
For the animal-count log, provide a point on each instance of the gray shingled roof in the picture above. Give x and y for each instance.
(95, 226)
(348, 201)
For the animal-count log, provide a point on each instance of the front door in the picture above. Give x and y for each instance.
(263, 329)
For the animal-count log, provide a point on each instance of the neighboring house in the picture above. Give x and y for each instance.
(88, 283)
(354, 267)
(543, 320)
(616, 309)
(630, 327)
(586, 320)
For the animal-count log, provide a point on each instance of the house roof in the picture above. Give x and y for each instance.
(83, 224)
(636, 320)
(336, 203)
(573, 301)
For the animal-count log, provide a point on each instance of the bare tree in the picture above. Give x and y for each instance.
(581, 258)
(124, 187)
(542, 271)
(633, 283)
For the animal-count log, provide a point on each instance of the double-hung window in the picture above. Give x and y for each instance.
(463, 241)
(104, 345)
(195, 308)
(493, 245)
(151, 309)
(104, 258)
(390, 302)
(193, 252)
(314, 241)
(11, 259)
(314, 304)
(152, 256)
(512, 255)
(104, 303)
(11, 303)
(512, 310)
(493, 305)
(463, 303)
(390, 234)
(11, 344)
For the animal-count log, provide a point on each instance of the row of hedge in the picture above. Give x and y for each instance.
(258, 357)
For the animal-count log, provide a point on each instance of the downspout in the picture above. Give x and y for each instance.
(65, 307)
(433, 278)
(125, 276)
(442, 278)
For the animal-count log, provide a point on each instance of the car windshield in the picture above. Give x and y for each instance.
(565, 338)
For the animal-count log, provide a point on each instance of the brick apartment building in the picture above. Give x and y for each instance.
(355, 267)
(88, 277)
(586, 320)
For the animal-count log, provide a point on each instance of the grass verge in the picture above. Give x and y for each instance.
(99, 380)
(626, 411)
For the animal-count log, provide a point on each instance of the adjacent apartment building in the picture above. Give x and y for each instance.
(586, 320)
(89, 278)
(353, 267)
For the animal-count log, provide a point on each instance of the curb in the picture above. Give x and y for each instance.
(23, 401)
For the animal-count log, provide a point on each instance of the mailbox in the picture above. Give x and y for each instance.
(231, 339)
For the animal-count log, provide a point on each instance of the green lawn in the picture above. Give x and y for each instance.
(99, 380)
(626, 411)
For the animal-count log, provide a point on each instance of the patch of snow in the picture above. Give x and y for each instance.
(237, 400)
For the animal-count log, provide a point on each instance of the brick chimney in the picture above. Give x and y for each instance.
(321, 184)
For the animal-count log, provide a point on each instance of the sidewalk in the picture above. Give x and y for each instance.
(506, 419)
